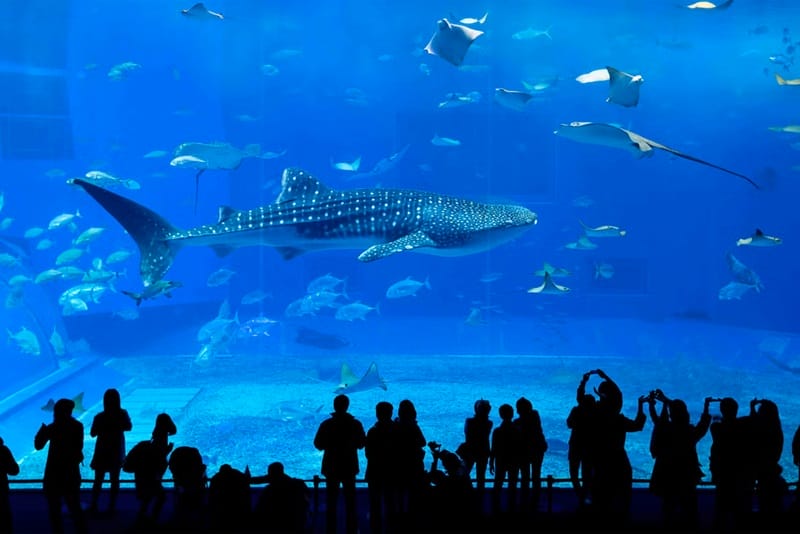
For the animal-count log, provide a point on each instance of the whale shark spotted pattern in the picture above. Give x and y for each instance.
(308, 215)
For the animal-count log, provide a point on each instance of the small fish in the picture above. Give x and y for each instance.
(47, 276)
(18, 280)
(473, 20)
(324, 282)
(475, 317)
(256, 327)
(353, 311)
(156, 154)
(6, 222)
(122, 70)
(742, 273)
(347, 166)
(603, 270)
(406, 288)
(88, 235)
(62, 220)
(87, 292)
(529, 33)
(69, 256)
(269, 70)
(160, 287)
(583, 243)
(733, 291)
(57, 343)
(453, 100)
(126, 314)
(444, 141)
(44, 244)
(605, 230)
(8, 260)
(759, 239)
(192, 162)
(220, 277)
(118, 256)
(488, 278)
(255, 296)
(273, 155)
(792, 128)
(26, 341)
(709, 5)
(33, 232)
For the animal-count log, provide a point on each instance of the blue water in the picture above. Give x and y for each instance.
(350, 79)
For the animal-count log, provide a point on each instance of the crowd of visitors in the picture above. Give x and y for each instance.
(744, 462)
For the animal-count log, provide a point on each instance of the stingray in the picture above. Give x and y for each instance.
(516, 100)
(451, 41)
(623, 88)
(598, 133)
(199, 11)
(549, 287)
(350, 383)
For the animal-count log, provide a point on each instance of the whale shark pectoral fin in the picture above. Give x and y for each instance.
(407, 242)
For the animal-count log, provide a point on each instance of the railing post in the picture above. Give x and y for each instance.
(315, 496)
(550, 484)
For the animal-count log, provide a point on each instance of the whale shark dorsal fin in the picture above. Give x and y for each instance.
(348, 378)
(225, 213)
(411, 241)
(297, 184)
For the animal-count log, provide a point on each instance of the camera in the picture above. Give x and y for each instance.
(434, 446)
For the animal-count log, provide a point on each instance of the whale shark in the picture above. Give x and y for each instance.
(308, 216)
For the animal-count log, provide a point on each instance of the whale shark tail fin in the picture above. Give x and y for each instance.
(149, 229)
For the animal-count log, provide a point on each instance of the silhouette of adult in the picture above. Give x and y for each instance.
(8, 466)
(676, 471)
(727, 466)
(409, 462)
(451, 504)
(796, 461)
(476, 447)
(612, 483)
(533, 445)
(504, 459)
(109, 427)
(580, 421)
(282, 505)
(229, 500)
(62, 472)
(189, 478)
(147, 460)
(340, 437)
(764, 427)
(381, 470)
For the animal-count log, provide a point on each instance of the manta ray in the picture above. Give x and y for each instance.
(451, 41)
(309, 215)
(548, 287)
(350, 383)
(623, 88)
(598, 133)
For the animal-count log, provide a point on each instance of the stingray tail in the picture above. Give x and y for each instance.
(709, 164)
(149, 229)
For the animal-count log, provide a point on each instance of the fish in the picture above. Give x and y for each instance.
(325, 282)
(451, 41)
(155, 154)
(77, 399)
(106, 179)
(759, 239)
(299, 413)
(548, 287)
(554, 272)
(199, 11)
(709, 5)
(473, 20)
(583, 243)
(64, 219)
(475, 317)
(88, 235)
(26, 341)
(603, 270)
(508, 98)
(308, 216)
(87, 292)
(383, 166)
(603, 134)
(623, 88)
(256, 327)
(121, 71)
(220, 277)
(530, 33)
(350, 383)
(488, 278)
(347, 166)
(18, 280)
(47, 276)
(44, 244)
(118, 256)
(605, 230)
(268, 69)
(57, 343)
(444, 141)
(6, 222)
(153, 290)
(406, 288)
(33, 232)
(733, 291)
(742, 273)
(320, 340)
(453, 100)
(783, 81)
(792, 128)
(355, 310)
(69, 256)
(255, 296)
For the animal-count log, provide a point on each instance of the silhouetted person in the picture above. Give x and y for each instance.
(612, 483)
(533, 445)
(676, 471)
(62, 472)
(381, 470)
(340, 437)
(796, 458)
(8, 466)
(764, 427)
(147, 460)
(189, 478)
(409, 463)
(504, 458)
(476, 447)
(229, 500)
(283, 504)
(451, 505)
(109, 427)
(580, 421)
(727, 466)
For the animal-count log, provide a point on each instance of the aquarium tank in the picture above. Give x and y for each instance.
(233, 211)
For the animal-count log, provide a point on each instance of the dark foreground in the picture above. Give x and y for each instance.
(30, 515)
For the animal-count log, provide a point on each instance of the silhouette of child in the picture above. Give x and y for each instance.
(8, 466)
(109, 427)
(504, 457)
(476, 448)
